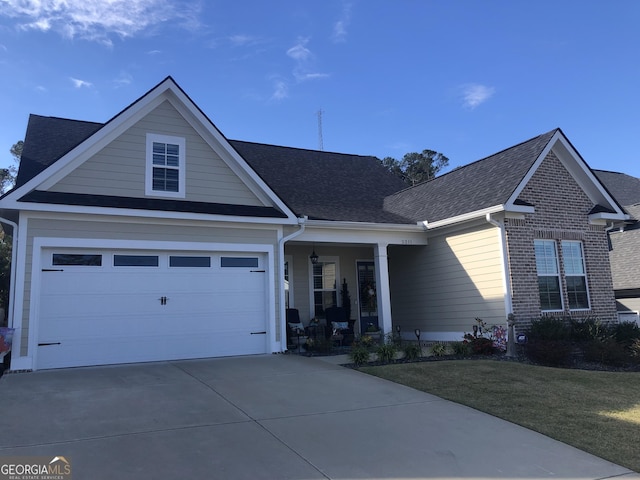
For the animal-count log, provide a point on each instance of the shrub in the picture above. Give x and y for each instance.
(607, 352)
(359, 354)
(549, 328)
(626, 332)
(553, 353)
(366, 341)
(412, 351)
(386, 352)
(481, 346)
(439, 349)
(635, 350)
(588, 329)
(461, 348)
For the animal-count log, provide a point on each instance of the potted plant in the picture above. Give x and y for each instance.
(372, 331)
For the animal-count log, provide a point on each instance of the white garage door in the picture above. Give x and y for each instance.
(105, 307)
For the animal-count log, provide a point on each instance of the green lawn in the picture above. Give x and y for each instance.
(598, 412)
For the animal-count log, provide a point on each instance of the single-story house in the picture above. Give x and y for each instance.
(625, 244)
(153, 237)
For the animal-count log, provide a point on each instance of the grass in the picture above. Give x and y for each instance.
(598, 412)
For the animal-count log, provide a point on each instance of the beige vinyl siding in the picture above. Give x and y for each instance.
(121, 229)
(119, 168)
(444, 286)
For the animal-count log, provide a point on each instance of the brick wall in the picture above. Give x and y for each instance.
(561, 213)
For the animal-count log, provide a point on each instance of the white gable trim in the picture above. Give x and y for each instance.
(578, 169)
(167, 90)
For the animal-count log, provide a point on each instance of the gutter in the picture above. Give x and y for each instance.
(343, 225)
(506, 271)
(464, 217)
(283, 314)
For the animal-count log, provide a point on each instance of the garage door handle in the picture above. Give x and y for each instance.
(258, 271)
(46, 344)
(52, 270)
(258, 333)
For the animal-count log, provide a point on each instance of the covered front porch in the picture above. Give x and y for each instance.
(336, 276)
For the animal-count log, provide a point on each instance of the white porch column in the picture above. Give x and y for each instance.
(382, 285)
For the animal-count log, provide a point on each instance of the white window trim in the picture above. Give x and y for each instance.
(312, 291)
(558, 275)
(586, 278)
(289, 259)
(148, 186)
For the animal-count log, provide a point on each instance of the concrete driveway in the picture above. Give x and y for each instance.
(271, 417)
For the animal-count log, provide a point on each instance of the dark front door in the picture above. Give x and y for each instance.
(367, 295)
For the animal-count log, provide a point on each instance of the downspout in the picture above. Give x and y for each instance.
(506, 271)
(283, 314)
(12, 279)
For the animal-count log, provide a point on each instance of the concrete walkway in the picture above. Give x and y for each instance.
(267, 417)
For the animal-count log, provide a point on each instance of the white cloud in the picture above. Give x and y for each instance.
(310, 76)
(475, 94)
(97, 20)
(123, 79)
(340, 27)
(303, 57)
(80, 83)
(281, 90)
(299, 51)
(244, 40)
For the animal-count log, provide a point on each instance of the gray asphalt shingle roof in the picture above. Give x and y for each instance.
(625, 188)
(323, 185)
(47, 140)
(484, 183)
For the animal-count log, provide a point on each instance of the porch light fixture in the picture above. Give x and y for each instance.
(417, 332)
(313, 257)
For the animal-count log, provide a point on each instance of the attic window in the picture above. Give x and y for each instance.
(165, 166)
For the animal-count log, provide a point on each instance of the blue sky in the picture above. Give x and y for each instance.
(467, 78)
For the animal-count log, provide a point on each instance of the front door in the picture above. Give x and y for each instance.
(367, 295)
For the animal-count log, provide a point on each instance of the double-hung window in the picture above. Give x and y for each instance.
(325, 287)
(576, 278)
(165, 166)
(550, 285)
(548, 275)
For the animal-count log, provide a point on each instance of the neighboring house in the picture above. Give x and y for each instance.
(625, 244)
(153, 237)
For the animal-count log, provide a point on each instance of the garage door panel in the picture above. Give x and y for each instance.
(103, 315)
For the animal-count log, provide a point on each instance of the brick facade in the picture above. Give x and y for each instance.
(561, 213)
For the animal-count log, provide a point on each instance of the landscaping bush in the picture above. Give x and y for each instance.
(386, 352)
(461, 348)
(553, 353)
(635, 350)
(626, 332)
(439, 350)
(481, 346)
(588, 329)
(549, 328)
(607, 352)
(359, 354)
(412, 352)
